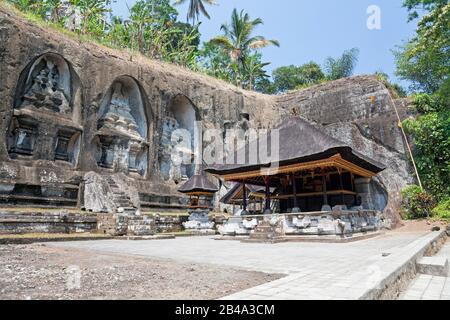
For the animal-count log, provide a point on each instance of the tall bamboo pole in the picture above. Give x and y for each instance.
(400, 125)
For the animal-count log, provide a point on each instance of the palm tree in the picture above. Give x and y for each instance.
(254, 70)
(238, 40)
(195, 8)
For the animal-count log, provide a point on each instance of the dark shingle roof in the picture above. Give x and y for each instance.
(198, 183)
(299, 141)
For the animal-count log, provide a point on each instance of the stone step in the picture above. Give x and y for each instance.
(121, 198)
(117, 190)
(121, 205)
(127, 201)
(127, 210)
(263, 227)
(435, 266)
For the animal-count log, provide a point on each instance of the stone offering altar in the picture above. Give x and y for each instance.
(237, 226)
(199, 220)
(200, 191)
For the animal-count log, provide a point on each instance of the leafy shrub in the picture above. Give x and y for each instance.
(417, 203)
(431, 133)
(442, 211)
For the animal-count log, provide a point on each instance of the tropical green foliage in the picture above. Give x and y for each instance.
(442, 211)
(93, 15)
(395, 89)
(240, 43)
(153, 29)
(417, 203)
(424, 5)
(425, 60)
(214, 61)
(296, 77)
(292, 77)
(431, 132)
(254, 72)
(343, 66)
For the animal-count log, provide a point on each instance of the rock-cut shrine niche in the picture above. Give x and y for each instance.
(180, 123)
(46, 122)
(122, 128)
(48, 85)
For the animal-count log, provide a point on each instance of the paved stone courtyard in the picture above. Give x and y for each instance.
(314, 270)
(39, 272)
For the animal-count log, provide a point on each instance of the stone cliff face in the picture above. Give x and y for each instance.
(69, 107)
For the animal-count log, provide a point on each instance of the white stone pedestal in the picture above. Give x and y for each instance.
(199, 220)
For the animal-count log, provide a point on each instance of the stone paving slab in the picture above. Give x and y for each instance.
(430, 287)
(314, 270)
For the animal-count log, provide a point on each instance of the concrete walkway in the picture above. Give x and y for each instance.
(314, 270)
(428, 287)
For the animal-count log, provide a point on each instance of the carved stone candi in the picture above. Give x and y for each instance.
(44, 125)
(122, 129)
(177, 149)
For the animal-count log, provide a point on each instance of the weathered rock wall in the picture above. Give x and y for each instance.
(356, 110)
(96, 68)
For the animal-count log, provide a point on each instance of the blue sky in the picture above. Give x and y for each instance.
(315, 29)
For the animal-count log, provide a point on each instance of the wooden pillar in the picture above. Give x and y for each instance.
(352, 181)
(341, 187)
(244, 196)
(294, 189)
(324, 189)
(267, 206)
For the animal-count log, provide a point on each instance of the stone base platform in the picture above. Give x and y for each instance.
(202, 232)
(337, 224)
(154, 237)
(311, 239)
(199, 222)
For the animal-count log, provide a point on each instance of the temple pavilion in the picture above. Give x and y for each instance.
(313, 172)
(200, 191)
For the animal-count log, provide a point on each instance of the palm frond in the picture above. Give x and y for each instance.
(223, 42)
(202, 9)
(262, 43)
